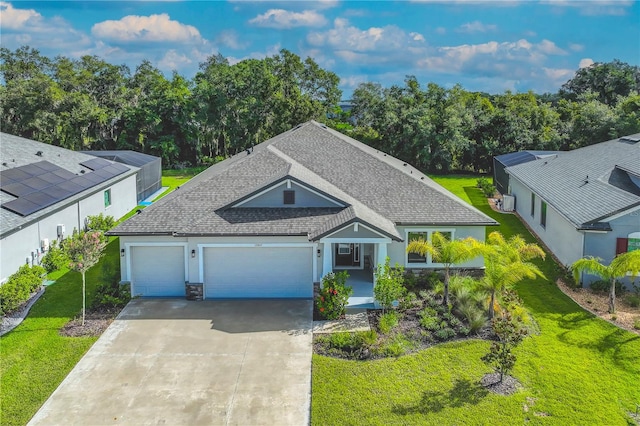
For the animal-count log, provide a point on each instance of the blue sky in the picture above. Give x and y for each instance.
(486, 46)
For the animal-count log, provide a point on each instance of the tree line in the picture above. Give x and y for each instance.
(88, 103)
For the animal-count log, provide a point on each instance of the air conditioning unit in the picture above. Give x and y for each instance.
(44, 244)
(508, 203)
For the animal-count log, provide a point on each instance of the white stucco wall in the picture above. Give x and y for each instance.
(17, 246)
(559, 234)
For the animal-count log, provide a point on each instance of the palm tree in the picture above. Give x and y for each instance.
(625, 264)
(447, 252)
(507, 263)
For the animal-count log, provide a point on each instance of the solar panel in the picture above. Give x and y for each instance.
(59, 193)
(21, 206)
(32, 170)
(52, 178)
(45, 165)
(82, 182)
(65, 174)
(16, 174)
(41, 199)
(17, 189)
(104, 173)
(93, 178)
(70, 186)
(95, 164)
(36, 183)
(120, 167)
(4, 180)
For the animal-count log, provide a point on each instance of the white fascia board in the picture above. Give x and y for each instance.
(355, 225)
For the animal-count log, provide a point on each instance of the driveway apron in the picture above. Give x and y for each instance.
(176, 362)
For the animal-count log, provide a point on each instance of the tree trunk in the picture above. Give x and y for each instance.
(491, 304)
(445, 299)
(612, 297)
(83, 298)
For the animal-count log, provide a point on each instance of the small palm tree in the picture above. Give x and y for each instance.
(625, 264)
(507, 263)
(447, 252)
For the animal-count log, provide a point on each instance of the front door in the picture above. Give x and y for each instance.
(347, 255)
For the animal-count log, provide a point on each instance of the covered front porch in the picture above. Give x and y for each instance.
(361, 280)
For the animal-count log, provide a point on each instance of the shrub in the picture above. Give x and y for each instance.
(99, 222)
(488, 190)
(19, 287)
(110, 294)
(388, 286)
(633, 300)
(474, 316)
(636, 324)
(445, 333)
(604, 286)
(408, 301)
(55, 259)
(334, 295)
(396, 346)
(429, 321)
(358, 345)
(410, 281)
(509, 334)
(387, 322)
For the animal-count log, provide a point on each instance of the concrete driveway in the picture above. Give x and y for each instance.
(175, 362)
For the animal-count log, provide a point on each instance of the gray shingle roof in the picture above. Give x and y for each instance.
(16, 152)
(585, 185)
(377, 189)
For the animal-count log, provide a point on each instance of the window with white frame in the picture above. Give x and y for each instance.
(107, 197)
(415, 260)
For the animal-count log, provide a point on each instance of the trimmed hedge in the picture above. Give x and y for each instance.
(19, 287)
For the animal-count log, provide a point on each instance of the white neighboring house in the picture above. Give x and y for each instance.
(46, 192)
(272, 221)
(584, 202)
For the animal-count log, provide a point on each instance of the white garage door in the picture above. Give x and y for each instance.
(157, 271)
(248, 272)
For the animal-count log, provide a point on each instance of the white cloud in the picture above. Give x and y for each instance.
(585, 62)
(15, 19)
(173, 60)
(595, 7)
(350, 41)
(550, 48)
(576, 47)
(441, 30)
(230, 39)
(476, 27)
(153, 28)
(284, 19)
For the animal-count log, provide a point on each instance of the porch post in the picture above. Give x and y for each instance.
(381, 258)
(327, 258)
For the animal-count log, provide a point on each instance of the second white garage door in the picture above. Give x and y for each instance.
(157, 271)
(258, 272)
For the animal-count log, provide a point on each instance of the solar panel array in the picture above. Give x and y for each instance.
(40, 185)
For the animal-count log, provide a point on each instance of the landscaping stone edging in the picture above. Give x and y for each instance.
(12, 320)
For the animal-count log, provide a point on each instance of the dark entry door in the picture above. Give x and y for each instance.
(347, 254)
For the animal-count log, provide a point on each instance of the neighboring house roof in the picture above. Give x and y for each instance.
(375, 189)
(132, 158)
(589, 184)
(514, 158)
(18, 154)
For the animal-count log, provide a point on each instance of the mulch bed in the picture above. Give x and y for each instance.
(95, 323)
(508, 386)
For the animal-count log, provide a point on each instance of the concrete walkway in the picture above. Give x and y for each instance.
(175, 362)
(354, 320)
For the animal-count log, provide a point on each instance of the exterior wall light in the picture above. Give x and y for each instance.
(121, 252)
(193, 253)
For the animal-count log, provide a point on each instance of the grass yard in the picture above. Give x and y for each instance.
(35, 358)
(579, 370)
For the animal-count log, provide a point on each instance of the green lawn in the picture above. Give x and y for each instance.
(579, 370)
(35, 358)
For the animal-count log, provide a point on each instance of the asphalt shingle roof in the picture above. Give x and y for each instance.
(16, 152)
(376, 189)
(586, 185)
